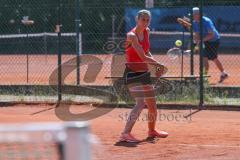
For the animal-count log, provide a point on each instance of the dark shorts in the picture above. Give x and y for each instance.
(211, 50)
(137, 78)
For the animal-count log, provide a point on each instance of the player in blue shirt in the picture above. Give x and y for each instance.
(211, 39)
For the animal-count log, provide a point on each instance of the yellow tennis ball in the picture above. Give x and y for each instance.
(178, 43)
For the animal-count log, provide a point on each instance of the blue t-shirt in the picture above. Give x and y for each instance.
(208, 26)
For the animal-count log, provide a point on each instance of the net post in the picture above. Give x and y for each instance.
(201, 100)
(77, 144)
(27, 23)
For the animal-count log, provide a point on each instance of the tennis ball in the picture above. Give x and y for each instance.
(178, 43)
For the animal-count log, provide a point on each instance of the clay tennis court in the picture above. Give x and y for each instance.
(207, 135)
(14, 68)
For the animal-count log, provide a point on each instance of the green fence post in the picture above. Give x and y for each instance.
(201, 100)
(77, 28)
(192, 43)
(58, 30)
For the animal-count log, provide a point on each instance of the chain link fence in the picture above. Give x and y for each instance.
(28, 50)
(93, 43)
(224, 16)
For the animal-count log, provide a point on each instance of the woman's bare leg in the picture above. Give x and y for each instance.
(152, 108)
(134, 114)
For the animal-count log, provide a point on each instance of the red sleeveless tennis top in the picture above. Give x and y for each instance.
(134, 62)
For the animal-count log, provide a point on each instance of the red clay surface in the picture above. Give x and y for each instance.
(207, 135)
(14, 68)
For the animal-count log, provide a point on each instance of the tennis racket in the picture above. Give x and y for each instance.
(162, 85)
(176, 52)
(184, 22)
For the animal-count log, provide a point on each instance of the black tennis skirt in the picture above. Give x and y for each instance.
(131, 77)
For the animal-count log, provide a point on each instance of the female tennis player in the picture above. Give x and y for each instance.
(137, 77)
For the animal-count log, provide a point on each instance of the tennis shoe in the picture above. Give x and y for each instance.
(157, 134)
(127, 137)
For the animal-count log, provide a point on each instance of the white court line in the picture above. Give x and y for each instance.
(207, 145)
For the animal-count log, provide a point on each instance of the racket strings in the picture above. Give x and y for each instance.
(163, 86)
(173, 53)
